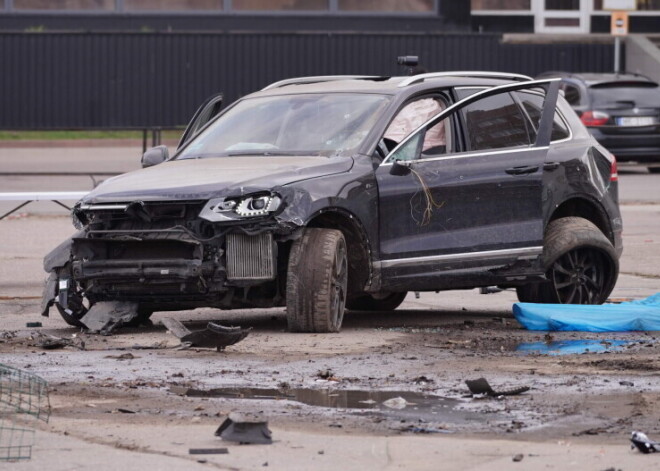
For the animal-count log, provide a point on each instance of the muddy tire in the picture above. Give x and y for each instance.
(316, 281)
(581, 265)
(369, 302)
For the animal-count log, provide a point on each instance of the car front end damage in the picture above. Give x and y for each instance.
(225, 252)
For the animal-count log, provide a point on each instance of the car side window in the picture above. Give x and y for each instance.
(532, 104)
(409, 118)
(495, 122)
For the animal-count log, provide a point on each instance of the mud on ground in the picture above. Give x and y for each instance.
(138, 376)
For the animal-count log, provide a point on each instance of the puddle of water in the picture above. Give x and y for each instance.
(417, 406)
(572, 347)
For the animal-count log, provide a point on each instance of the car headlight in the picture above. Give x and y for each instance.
(227, 209)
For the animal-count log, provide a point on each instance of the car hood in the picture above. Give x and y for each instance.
(213, 177)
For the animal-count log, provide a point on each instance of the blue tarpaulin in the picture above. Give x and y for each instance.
(638, 315)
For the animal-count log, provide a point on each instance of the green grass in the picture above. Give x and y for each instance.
(59, 135)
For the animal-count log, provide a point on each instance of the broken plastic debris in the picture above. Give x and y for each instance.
(208, 451)
(480, 386)
(641, 315)
(214, 336)
(51, 342)
(246, 429)
(106, 316)
(642, 443)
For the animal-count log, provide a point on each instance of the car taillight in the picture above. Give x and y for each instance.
(594, 118)
(614, 171)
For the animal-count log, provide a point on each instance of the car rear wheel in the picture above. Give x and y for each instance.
(316, 281)
(581, 265)
(376, 302)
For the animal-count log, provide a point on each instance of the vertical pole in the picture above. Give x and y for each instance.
(617, 54)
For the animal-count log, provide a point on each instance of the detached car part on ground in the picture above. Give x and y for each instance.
(304, 195)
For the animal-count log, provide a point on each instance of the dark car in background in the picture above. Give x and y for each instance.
(327, 193)
(622, 111)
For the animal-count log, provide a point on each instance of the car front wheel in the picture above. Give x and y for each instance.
(316, 281)
(581, 265)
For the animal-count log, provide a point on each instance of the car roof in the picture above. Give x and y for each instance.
(388, 85)
(592, 78)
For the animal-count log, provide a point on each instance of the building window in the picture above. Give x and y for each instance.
(562, 4)
(105, 5)
(642, 5)
(387, 5)
(172, 5)
(276, 5)
(501, 5)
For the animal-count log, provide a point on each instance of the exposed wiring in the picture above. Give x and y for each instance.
(431, 204)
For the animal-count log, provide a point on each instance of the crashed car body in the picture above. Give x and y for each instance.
(310, 194)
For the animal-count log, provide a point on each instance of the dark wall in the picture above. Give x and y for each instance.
(637, 24)
(82, 80)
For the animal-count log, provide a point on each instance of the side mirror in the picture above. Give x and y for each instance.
(155, 156)
(400, 168)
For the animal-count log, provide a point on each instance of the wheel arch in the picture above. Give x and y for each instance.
(357, 244)
(588, 209)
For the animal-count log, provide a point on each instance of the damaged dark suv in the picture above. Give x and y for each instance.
(323, 194)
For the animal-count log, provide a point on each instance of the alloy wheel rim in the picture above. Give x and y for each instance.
(338, 284)
(579, 276)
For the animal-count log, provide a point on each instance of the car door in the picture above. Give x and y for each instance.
(475, 206)
(205, 113)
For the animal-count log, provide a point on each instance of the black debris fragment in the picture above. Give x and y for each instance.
(208, 451)
(122, 357)
(519, 457)
(106, 316)
(33, 324)
(642, 443)
(245, 429)
(480, 386)
(214, 336)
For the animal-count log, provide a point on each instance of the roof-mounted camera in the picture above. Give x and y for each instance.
(408, 61)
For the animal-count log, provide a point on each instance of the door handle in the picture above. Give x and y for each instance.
(524, 170)
(551, 166)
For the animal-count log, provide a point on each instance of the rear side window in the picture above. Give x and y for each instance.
(495, 122)
(533, 103)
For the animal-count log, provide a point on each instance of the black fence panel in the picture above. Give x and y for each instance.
(101, 80)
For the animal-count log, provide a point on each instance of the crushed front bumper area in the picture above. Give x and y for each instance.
(168, 274)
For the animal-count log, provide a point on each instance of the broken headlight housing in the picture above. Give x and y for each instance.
(229, 209)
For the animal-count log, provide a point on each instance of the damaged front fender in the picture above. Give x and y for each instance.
(60, 255)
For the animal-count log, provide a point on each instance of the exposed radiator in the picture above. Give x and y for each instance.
(250, 257)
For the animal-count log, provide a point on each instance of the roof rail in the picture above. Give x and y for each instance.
(320, 78)
(498, 75)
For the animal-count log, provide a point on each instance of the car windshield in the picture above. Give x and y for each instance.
(307, 124)
(626, 94)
